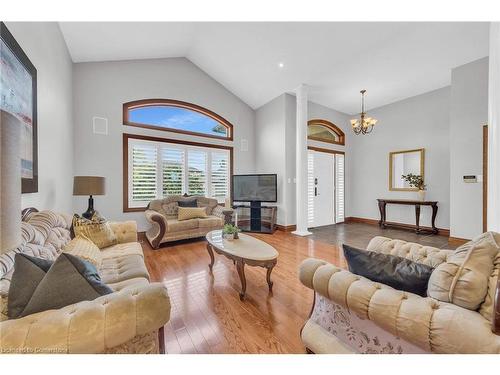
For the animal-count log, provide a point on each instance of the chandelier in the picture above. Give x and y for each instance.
(363, 125)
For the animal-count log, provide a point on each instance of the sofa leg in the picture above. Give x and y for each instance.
(309, 351)
(161, 340)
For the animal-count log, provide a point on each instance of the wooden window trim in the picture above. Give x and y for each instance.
(327, 150)
(127, 136)
(179, 104)
(334, 128)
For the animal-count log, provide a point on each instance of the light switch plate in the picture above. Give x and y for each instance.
(470, 179)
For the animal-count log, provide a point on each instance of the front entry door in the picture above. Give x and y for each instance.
(323, 189)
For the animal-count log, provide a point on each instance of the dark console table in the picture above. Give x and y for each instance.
(382, 203)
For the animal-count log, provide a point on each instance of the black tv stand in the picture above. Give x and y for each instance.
(256, 223)
(255, 216)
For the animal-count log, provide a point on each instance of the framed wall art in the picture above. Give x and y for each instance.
(18, 96)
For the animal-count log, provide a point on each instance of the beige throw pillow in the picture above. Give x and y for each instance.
(186, 213)
(463, 278)
(96, 230)
(85, 249)
(170, 209)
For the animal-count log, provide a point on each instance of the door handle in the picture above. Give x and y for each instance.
(315, 191)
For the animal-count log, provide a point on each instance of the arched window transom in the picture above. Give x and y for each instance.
(325, 131)
(176, 116)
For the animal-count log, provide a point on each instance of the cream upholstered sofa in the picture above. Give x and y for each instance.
(162, 214)
(126, 321)
(352, 314)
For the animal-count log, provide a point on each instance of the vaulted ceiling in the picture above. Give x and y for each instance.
(259, 61)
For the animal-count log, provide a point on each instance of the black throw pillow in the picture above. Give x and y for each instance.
(69, 280)
(188, 203)
(400, 273)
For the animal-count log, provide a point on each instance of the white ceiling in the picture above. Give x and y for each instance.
(392, 61)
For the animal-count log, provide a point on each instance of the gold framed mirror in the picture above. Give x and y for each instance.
(403, 163)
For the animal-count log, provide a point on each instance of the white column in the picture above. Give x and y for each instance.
(494, 129)
(301, 162)
(10, 182)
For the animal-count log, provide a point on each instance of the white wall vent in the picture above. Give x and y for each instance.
(100, 125)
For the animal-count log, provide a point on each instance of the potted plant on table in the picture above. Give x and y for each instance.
(416, 181)
(230, 232)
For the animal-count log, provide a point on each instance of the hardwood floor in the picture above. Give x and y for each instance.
(359, 234)
(207, 315)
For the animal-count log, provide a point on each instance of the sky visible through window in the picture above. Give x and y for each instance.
(177, 118)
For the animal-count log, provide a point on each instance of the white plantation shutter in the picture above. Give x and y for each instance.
(159, 169)
(173, 171)
(340, 188)
(310, 189)
(144, 173)
(219, 181)
(197, 172)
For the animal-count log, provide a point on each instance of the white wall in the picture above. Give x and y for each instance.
(270, 145)
(100, 89)
(317, 111)
(314, 111)
(418, 122)
(44, 45)
(275, 146)
(468, 114)
(494, 129)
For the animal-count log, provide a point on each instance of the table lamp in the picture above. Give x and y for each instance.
(89, 185)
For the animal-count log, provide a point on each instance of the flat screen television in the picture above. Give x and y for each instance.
(254, 188)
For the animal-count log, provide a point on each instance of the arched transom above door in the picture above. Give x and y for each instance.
(325, 131)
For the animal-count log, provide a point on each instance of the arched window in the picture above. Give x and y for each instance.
(325, 131)
(176, 116)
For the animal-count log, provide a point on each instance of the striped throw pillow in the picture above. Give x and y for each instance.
(85, 249)
(186, 213)
(96, 230)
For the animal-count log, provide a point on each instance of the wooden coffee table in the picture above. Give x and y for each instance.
(246, 250)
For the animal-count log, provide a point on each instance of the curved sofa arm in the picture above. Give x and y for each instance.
(89, 326)
(125, 231)
(158, 228)
(496, 311)
(432, 325)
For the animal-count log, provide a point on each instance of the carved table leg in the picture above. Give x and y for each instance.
(161, 340)
(268, 276)
(434, 213)
(381, 207)
(212, 259)
(417, 218)
(240, 267)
